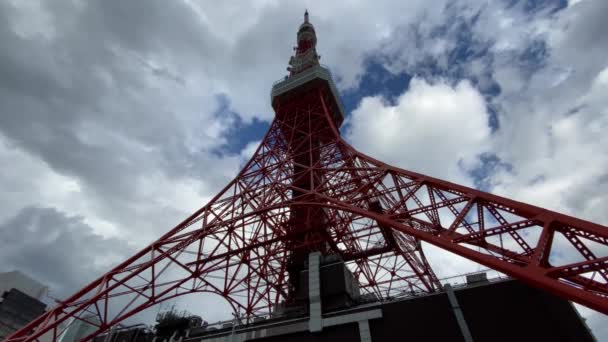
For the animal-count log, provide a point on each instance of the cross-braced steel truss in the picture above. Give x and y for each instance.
(306, 189)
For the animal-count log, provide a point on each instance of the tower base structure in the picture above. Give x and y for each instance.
(335, 311)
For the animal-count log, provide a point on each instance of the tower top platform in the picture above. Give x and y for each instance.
(315, 76)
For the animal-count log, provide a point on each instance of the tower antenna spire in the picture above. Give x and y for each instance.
(305, 52)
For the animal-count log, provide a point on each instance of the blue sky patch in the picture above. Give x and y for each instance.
(490, 164)
(376, 80)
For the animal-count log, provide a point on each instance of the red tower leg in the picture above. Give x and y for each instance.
(305, 189)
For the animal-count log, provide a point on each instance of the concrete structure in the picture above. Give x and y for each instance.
(23, 283)
(330, 307)
(16, 310)
(20, 301)
(480, 310)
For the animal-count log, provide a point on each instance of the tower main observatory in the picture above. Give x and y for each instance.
(306, 192)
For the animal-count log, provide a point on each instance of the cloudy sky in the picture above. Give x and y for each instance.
(119, 118)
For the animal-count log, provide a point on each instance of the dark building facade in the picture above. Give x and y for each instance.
(498, 311)
(481, 310)
(16, 310)
(330, 308)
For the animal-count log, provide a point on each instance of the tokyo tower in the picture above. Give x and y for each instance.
(305, 194)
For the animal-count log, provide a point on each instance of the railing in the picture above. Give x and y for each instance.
(243, 323)
(288, 77)
(292, 82)
(460, 280)
(321, 68)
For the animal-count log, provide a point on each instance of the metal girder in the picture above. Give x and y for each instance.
(305, 189)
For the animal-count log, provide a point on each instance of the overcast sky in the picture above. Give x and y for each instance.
(119, 118)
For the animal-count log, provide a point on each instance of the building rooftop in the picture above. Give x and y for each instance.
(22, 282)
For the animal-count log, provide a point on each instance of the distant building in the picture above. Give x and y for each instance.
(23, 283)
(20, 301)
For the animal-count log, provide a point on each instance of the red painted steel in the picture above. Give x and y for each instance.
(307, 189)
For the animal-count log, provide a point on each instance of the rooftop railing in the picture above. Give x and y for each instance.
(243, 323)
(291, 82)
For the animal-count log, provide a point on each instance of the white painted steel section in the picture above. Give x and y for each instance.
(462, 323)
(354, 317)
(303, 77)
(315, 323)
(364, 333)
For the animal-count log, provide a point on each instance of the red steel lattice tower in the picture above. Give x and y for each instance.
(305, 189)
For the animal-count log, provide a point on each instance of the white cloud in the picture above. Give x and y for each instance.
(552, 135)
(565, 164)
(551, 115)
(249, 149)
(134, 99)
(433, 128)
(30, 182)
(552, 119)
